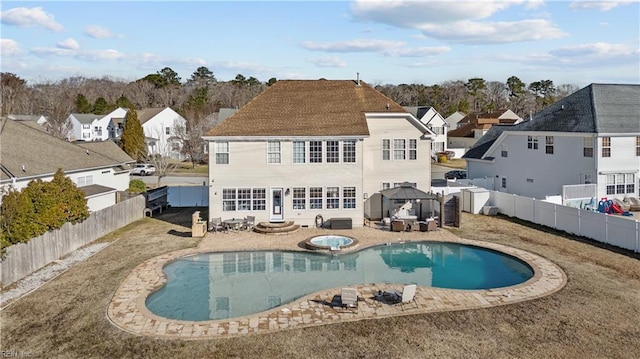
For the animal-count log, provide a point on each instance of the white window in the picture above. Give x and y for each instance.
(299, 198)
(86, 135)
(504, 182)
(229, 199)
(222, 153)
(86, 127)
(315, 151)
(532, 142)
(606, 146)
(413, 149)
(333, 198)
(244, 199)
(299, 152)
(259, 199)
(637, 145)
(273, 152)
(621, 183)
(504, 150)
(349, 151)
(349, 197)
(315, 198)
(587, 147)
(84, 180)
(386, 150)
(436, 147)
(399, 149)
(333, 151)
(386, 185)
(167, 130)
(548, 140)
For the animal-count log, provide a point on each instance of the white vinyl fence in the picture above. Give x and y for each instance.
(610, 229)
(23, 259)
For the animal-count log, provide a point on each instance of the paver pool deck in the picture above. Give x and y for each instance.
(127, 309)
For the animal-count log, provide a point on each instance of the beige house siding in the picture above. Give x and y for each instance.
(378, 171)
(248, 168)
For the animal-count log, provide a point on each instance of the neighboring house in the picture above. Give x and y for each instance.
(99, 169)
(88, 127)
(453, 119)
(38, 119)
(476, 124)
(436, 123)
(320, 147)
(159, 125)
(115, 122)
(590, 137)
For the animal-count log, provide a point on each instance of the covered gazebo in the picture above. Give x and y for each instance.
(406, 192)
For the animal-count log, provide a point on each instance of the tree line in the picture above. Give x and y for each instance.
(202, 95)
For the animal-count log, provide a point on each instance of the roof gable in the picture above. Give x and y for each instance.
(308, 108)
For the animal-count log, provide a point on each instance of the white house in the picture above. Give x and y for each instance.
(589, 137)
(159, 126)
(453, 119)
(474, 125)
(114, 121)
(436, 123)
(319, 147)
(98, 168)
(90, 127)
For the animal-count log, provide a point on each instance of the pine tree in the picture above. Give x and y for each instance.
(132, 141)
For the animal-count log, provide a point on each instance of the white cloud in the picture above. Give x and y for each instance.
(493, 33)
(458, 21)
(97, 32)
(69, 44)
(599, 5)
(9, 48)
(100, 55)
(29, 17)
(599, 49)
(418, 51)
(328, 61)
(358, 45)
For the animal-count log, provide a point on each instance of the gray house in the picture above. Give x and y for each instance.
(591, 137)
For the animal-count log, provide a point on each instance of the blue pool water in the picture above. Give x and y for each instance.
(233, 284)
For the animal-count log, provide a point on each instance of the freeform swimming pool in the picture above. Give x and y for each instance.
(233, 284)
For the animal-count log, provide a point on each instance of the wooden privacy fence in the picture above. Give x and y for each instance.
(615, 230)
(23, 259)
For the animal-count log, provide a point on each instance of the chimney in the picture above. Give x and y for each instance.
(357, 79)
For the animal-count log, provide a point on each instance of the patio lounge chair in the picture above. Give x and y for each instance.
(407, 296)
(634, 204)
(348, 299)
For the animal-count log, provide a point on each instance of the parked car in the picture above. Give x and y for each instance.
(143, 169)
(457, 174)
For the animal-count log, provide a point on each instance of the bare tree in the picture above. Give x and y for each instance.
(11, 87)
(56, 102)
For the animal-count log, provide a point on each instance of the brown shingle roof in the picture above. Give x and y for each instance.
(308, 108)
(479, 121)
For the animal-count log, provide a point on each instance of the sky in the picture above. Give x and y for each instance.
(382, 42)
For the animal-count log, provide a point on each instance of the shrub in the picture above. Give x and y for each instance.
(40, 207)
(137, 186)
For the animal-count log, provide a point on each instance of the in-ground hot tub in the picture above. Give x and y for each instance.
(330, 242)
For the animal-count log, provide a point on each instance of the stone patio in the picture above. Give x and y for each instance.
(128, 312)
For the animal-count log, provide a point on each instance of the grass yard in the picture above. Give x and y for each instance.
(456, 163)
(597, 314)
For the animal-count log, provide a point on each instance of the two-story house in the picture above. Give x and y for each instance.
(100, 169)
(89, 127)
(474, 125)
(590, 137)
(159, 126)
(304, 148)
(436, 123)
